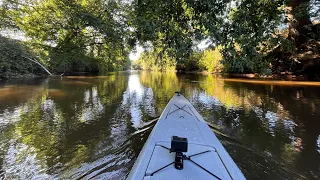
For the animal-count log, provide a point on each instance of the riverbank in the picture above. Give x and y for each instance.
(255, 76)
(22, 76)
(250, 76)
(283, 77)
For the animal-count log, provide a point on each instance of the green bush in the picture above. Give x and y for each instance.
(155, 60)
(211, 60)
(12, 61)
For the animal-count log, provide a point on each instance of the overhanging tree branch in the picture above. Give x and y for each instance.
(39, 65)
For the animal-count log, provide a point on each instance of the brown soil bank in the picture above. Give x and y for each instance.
(282, 76)
(274, 82)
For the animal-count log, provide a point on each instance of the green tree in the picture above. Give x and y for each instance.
(166, 24)
(81, 35)
(240, 27)
(155, 59)
(96, 35)
(299, 16)
(12, 61)
(211, 60)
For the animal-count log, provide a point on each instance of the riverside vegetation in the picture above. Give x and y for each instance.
(247, 36)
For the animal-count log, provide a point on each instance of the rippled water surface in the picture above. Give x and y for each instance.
(94, 127)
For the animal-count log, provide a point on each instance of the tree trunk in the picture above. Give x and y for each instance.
(300, 24)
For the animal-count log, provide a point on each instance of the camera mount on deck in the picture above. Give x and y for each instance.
(179, 145)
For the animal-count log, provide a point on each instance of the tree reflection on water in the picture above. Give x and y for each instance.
(94, 127)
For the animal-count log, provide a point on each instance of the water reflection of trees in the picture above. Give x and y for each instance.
(90, 127)
(163, 86)
(267, 129)
(65, 127)
(278, 121)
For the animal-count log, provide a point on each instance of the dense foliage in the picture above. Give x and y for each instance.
(97, 35)
(12, 61)
(246, 30)
(155, 60)
(72, 35)
(208, 60)
(211, 60)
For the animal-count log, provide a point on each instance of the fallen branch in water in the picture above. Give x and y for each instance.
(39, 65)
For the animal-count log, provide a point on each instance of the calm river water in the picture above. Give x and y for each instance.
(94, 127)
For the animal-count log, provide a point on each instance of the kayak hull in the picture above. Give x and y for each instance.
(208, 158)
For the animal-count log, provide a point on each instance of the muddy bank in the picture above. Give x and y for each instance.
(283, 76)
(23, 76)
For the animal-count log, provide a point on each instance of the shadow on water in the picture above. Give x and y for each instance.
(94, 127)
(128, 150)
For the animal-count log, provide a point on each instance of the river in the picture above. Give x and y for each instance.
(82, 127)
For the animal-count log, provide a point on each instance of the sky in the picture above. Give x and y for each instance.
(134, 55)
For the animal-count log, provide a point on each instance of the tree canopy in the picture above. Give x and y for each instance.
(97, 35)
(86, 35)
(244, 29)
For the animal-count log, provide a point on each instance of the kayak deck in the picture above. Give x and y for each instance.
(208, 158)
